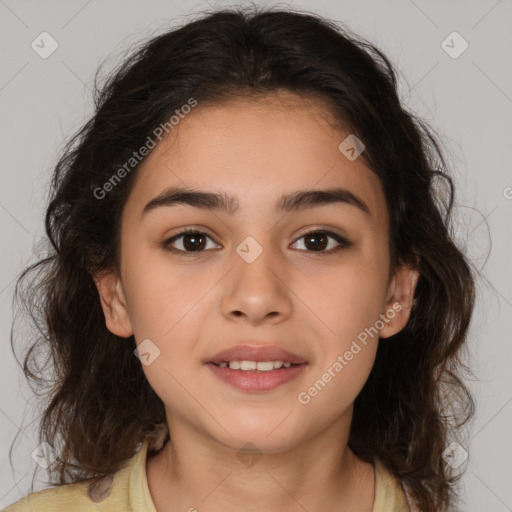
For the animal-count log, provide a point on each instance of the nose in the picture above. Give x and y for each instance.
(257, 291)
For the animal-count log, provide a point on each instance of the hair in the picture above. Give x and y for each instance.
(101, 411)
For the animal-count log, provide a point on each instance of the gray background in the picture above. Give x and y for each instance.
(467, 100)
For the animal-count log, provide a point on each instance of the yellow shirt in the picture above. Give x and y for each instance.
(128, 491)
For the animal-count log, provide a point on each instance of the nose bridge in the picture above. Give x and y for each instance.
(257, 284)
(255, 262)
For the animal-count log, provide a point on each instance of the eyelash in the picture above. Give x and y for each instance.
(343, 242)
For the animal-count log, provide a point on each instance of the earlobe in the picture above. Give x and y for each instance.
(400, 300)
(113, 303)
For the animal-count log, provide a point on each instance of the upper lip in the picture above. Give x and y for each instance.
(256, 353)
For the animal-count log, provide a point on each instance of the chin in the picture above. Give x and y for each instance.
(259, 440)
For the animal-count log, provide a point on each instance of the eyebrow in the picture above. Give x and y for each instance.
(222, 202)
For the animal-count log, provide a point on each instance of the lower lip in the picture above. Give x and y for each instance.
(256, 381)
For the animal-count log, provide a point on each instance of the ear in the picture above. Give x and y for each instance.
(399, 300)
(113, 302)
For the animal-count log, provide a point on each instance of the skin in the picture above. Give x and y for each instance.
(292, 296)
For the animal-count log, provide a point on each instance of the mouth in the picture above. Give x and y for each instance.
(252, 379)
(255, 381)
(244, 356)
(256, 368)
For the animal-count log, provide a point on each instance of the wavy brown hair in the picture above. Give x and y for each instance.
(99, 405)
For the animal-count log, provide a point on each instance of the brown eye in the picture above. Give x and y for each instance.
(190, 241)
(318, 241)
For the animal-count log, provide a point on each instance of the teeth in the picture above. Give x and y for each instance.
(262, 366)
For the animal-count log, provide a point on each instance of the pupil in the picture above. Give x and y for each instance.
(195, 243)
(310, 239)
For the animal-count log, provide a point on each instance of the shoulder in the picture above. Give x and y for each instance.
(390, 493)
(108, 493)
(71, 496)
(413, 505)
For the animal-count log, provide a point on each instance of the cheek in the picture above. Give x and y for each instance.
(162, 296)
(334, 389)
(349, 298)
(348, 307)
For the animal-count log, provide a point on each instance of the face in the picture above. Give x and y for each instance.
(258, 275)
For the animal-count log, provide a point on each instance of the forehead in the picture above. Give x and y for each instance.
(257, 150)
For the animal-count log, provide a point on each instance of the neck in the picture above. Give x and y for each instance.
(321, 473)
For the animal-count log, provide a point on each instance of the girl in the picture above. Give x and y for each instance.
(253, 300)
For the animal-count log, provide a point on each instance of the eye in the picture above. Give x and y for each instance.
(190, 241)
(193, 241)
(318, 240)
